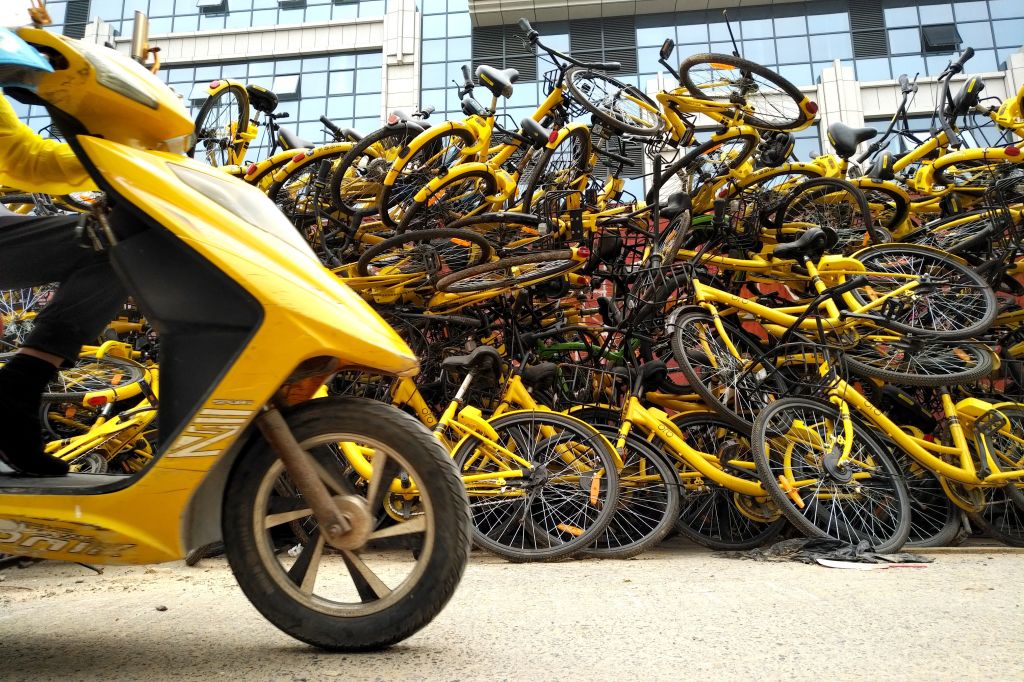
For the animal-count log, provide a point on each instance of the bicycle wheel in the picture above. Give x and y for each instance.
(768, 188)
(975, 176)
(830, 203)
(797, 445)
(776, 103)
(505, 230)
(303, 198)
(1001, 518)
(359, 176)
(560, 170)
(912, 362)
(214, 134)
(735, 386)
(710, 514)
(648, 502)
(516, 271)
(888, 203)
(457, 196)
(18, 310)
(89, 375)
(697, 170)
(934, 519)
(617, 105)
(398, 577)
(548, 492)
(441, 151)
(958, 234)
(952, 302)
(435, 253)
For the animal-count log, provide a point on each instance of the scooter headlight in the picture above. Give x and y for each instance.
(113, 75)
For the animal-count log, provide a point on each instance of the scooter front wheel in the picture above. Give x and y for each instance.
(402, 572)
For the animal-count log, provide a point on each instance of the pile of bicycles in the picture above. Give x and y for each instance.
(759, 345)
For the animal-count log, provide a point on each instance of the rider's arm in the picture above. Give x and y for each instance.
(30, 163)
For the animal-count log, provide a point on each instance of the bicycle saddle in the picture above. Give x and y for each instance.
(262, 99)
(539, 376)
(610, 314)
(846, 138)
(815, 240)
(498, 81)
(676, 204)
(482, 359)
(537, 134)
(881, 167)
(290, 140)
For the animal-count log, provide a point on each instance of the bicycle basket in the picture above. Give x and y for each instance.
(573, 109)
(581, 385)
(363, 385)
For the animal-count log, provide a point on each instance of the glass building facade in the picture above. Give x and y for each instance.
(877, 39)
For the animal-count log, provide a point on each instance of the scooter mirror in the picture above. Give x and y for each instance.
(15, 13)
(667, 47)
(140, 38)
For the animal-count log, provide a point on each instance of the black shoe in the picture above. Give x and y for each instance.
(22, 381)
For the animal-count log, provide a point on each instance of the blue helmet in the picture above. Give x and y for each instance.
(20, 63)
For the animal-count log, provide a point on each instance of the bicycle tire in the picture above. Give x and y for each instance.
(906, 363)
(828, 509)
(956, 234)
(702, 167)
(710, 514)
(690, 67)
(303, 172)
(973, 176)
(559, 262)
(889, 204)
(416, 169)
(934, 519)
(505, 230)
(646, 121)
(1001, 519)
(693, 336)
(649, 498)
(90, 374)
(439, 208)
(529, 527)
(556, 173)
(240, 117)
(831, 203)
(970, 310)
(423, 250)
(359, 175)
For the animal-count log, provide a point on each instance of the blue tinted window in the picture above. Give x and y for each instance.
(1000, 9)
(873, 69)
(797, 74)
(757, 28)
(790, 26)
(976, 34)
(760, 51)
(792, 50)
(903, 40)
(1008, 33)
(936, 14)
(969, 11)
(901, 16)
(823, 23)
(834, 46)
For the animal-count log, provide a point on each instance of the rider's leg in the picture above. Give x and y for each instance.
(36, 251)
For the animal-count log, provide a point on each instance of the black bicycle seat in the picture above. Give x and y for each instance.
(881, 167)
(483, 358)
(846, 138)
(537, 134)
(539, 376)
(498, 81)
(813, 241)
(290, 140)
(676, 204)
(262, 99)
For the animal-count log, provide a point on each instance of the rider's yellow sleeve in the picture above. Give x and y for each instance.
(30, 163)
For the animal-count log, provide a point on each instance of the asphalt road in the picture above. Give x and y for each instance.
(676, 613)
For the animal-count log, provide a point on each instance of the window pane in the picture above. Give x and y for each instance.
(368, 80)
(369, 59)
(792, 50)
(873, 69)
(459, 49)
(760, 51)
(936, 14)
(314, 84)
(790, 26)
(797, 74)
(903, 40)
(820, 23)
(434, 50)
(834, 46)
(984, 60)
(1008, 32)
(756, 28)
(646, 37)
(968, 11)
(459, 25)
(342, 82)
(977, 34)
(314, 64)
(692, 34)
(434, 76)
(912, 66)
(435, 26)
(901, 16)
(1000, 9)
(367, 105)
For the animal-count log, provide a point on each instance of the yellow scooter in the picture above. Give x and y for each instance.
(251, 326)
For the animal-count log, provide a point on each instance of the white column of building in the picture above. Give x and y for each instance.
(839, 101)
(401, 57)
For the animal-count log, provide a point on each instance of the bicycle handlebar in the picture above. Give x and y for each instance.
(958, 65)
(534, 37)
(467, 76)
(330, 125)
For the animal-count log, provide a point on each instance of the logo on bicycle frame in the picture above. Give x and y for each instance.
(208, 431)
